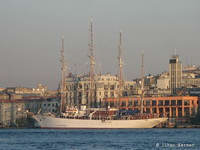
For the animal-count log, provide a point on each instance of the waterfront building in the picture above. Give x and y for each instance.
(10, 111)
(13, 109)
(51, 104)
(172, 106)
(175, 74)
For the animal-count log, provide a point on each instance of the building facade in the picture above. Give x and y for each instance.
(173, 106)
(51, 105)
(78, 89)
(11, 110)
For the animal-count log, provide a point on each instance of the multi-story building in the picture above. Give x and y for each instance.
(163, 81)
(78, 89)
(175, 73)
(51, 104)
(11, 110)
(172, 106)
(190, 80)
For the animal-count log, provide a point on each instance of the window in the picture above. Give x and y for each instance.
(173, 103)
(166, 102)
(160, 103)
(186, 112)
(125, 93)
(148, 110)
(179, 102)
(129, 103)
(112, 94)
(111, 104)
(123, 104)
(112, 87)
(135, 102)
(186, 102)
(106, 94)
(105, 87)
(147, 102)
(154, 110)
(153, 102)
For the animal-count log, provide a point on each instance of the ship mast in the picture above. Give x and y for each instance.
(120, 75)
(142, 84)
(91, 99)
(63, 82)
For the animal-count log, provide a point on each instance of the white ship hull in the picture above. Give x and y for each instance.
(65, 123)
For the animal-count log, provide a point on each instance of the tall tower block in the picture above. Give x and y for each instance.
(175, 73)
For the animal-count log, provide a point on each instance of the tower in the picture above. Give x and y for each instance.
(175, 73)
(91, 100)
(63, 82)
(120, 74)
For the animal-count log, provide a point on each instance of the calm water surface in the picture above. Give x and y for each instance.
(135, 139)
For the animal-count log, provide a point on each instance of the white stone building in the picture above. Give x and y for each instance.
(78, 89)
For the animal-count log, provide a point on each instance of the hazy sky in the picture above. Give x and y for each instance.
(30, 32)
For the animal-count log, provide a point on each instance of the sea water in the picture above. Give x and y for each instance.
(117, 139)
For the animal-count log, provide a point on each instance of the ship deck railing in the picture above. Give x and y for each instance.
(114, 117)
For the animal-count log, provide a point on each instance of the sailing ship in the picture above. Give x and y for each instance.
(89, 117)
(96, 120)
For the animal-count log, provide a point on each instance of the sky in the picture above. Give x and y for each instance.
(31, 31)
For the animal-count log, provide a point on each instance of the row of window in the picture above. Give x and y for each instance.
(53, 105)
(155, 103)
(86, 86)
